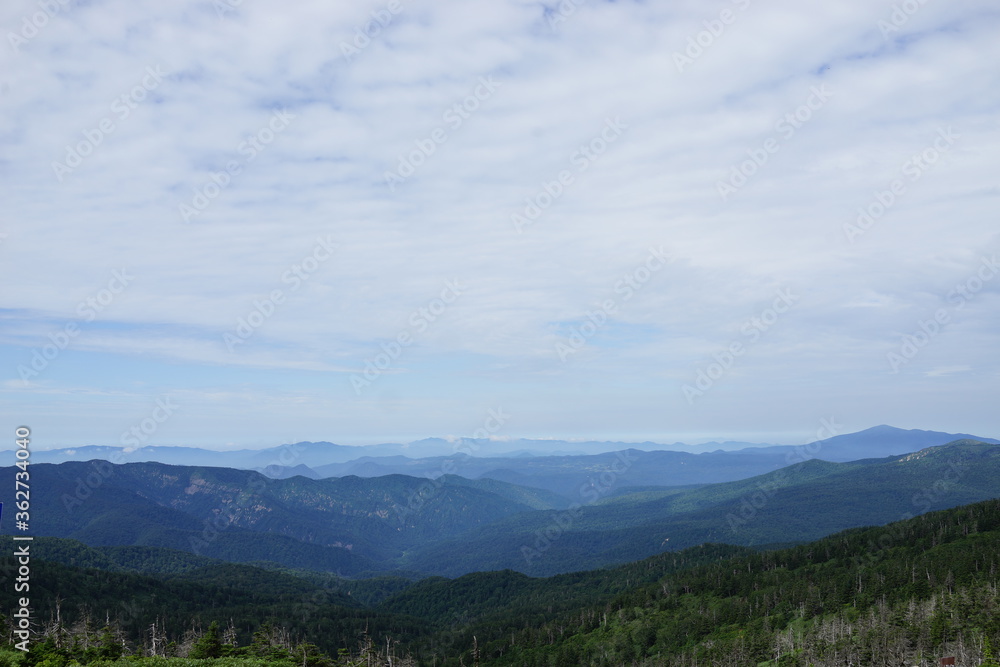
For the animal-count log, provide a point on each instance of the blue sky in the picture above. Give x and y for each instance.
(374, 221)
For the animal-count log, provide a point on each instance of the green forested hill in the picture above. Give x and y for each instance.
(802, 502)
(88, 599)
(139, 559)
(452, 526)
(348, 525)
(906, 593)
(900, 594)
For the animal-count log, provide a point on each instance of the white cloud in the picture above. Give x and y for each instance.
(657, 185)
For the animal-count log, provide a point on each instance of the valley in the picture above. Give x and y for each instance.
(449, 566)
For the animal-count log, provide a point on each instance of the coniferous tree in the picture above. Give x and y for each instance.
(209, 645)
(989, 660)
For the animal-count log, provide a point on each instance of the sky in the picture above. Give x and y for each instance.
(239, 223)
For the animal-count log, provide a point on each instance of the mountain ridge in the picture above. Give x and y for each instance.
(452, 525)
(312, 454)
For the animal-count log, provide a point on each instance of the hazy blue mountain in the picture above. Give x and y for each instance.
(349, 524)
(284, 456)
(802, 502)
(879, 442)
(316, 454)
(573, 476)
(284, 472)
(560, 466)
(452, 525)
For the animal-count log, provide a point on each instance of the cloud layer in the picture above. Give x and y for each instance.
(292, 192)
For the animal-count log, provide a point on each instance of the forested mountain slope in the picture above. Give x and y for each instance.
(906, 593)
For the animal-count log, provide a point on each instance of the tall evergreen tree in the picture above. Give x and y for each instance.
(209, 645)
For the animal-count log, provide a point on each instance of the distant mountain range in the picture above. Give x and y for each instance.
(348, 525)
(452, 525)
(799, 503)
(569, 474)
(872, 442)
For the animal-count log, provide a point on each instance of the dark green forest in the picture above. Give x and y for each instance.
(907, 593)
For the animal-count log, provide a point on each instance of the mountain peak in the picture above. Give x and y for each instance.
(882, 429)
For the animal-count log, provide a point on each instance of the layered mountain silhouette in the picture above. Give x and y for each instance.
(629, 505)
